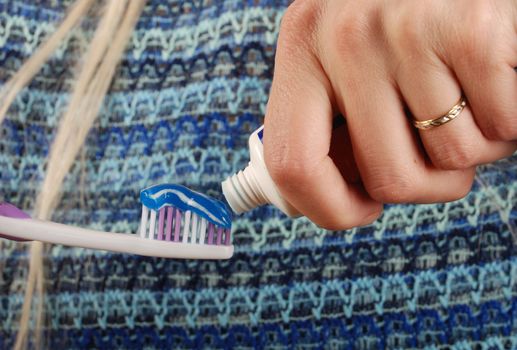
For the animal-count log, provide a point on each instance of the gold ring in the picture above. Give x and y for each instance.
(444, 119)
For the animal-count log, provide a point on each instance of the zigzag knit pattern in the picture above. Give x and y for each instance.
(193, 84)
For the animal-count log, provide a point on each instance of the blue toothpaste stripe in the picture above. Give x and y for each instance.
(159, 196)
(260, 134)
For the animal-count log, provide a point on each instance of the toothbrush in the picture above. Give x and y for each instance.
(176, 222)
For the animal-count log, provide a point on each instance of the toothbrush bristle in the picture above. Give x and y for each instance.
(202, 231)
(152, 225)
(219, 236)
(227, 239)
(193, 232)
(186, 226)
(161, 220)
(168, 232)
(143, 222)
(177, 228)
(173, 225)
(210, 233)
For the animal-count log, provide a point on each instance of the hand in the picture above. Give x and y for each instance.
(373, 61)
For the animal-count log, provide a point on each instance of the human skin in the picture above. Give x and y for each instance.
(375, 62)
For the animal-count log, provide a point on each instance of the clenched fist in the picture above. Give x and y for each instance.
(383, 64)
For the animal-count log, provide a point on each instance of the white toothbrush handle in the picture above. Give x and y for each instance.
(45, 231)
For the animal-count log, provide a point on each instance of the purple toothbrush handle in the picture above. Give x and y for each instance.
(10, 211)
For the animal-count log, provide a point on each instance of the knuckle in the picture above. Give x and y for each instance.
(402, 188)
(474, 38)
(408, 31)
(396, 186)
(289, 170)
(471, 51)
(504, 129)
(351, 32)
(294, 16)
(482, 15)
(495, 110)
(455, 156)
(299, 23)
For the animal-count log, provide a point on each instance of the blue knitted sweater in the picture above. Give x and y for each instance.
(192, 85)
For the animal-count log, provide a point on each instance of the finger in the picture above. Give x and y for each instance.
(483, 58)
(387, 151)
(430, 90)
(297, 134)
(492, 93)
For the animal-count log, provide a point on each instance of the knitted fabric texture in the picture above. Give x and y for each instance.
(193, 84)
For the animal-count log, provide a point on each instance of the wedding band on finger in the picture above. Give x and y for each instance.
(452, 114)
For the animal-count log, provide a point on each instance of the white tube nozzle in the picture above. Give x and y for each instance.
(253, 186)
(243, 192)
